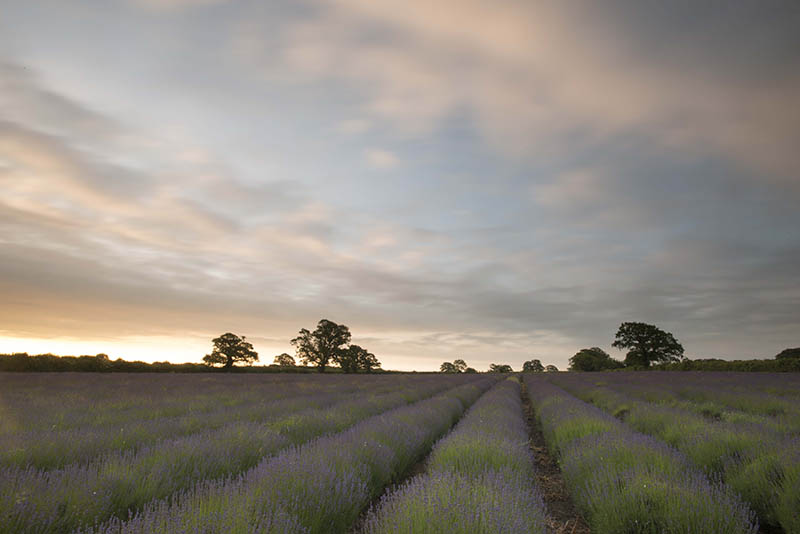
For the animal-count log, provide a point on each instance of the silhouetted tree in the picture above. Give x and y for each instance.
(367, 361)
(347, 358)
(354, 359)
(593, 359)
(551, 369)
(448, 367)
(457, 366)
(229, 349)
(788, 353)
(285, 360)
(323, 344)
(470, 370)
(647, 344)
(532, 366)
(500, 368)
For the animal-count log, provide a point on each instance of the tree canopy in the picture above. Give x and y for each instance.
(456, 366)
(532, 366)
(229, 349)
(367, 362)
(285, 360)
(593, 359)
(355, 358)
(448, 367)
(785, 354)
(551, 369)
(647, 344)
(322, 345)
(500, 368)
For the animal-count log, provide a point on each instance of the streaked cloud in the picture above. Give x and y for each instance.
(493, 181)
(531, 80)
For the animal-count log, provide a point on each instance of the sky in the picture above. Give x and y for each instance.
(489, 180)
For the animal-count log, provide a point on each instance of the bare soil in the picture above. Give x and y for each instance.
(562, 515)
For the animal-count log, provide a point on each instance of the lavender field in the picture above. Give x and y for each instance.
(648, 452)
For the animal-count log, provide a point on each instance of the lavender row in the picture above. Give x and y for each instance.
(760, 463)
(768, 398)
(624, 481)
(318, 487)
(61, 401)
(479, 479)
(47, 449)
(80, 494)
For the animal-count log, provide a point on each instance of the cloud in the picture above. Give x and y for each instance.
(354, 126)
(531, 81)
(379, 158)
(554, 172)
(168, 5)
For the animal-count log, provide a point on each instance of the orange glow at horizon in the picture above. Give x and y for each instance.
(148, 350)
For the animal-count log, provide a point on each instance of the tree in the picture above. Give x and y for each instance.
(593, 359)
(323, 344)
(354, 359)
(470, 370)
(647, 344)
(551, 369)
(788, 353)
(348, 358)
(457, 366)
(448, 367)
(284, 360)
(500, 368)
(229, 349)
(367, 361)
(532, 366)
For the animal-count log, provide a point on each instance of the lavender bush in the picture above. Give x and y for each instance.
(114, 484)
(624, 481)
(479, 480)
(318, 487)
(754, 454)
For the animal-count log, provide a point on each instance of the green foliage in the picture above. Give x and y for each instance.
(760, 482)
(783, 365)
(456, 503)
(551, 369)
(500, 368)
(323, 344)
(788, 353)
(593, 359)
(652, 502)
(229, 349)
(532, 366)
(648, 344)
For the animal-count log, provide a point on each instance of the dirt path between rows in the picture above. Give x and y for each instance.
(562, 516)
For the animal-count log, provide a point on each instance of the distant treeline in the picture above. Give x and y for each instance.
(101, 363)
(714, 364)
